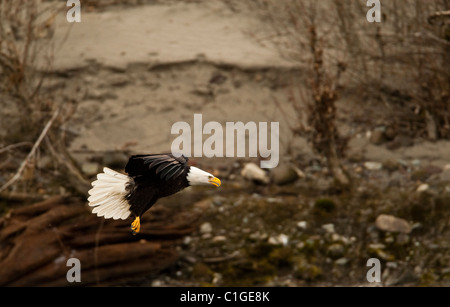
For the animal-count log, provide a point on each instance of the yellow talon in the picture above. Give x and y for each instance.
(136, 225)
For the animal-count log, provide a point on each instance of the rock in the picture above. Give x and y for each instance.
(423, 187)
(157, 283)
(391, 165)
(284, 174)
(302, 225)
(373, 166)
(300, 245)
(391, 223)
(329, 228)
(377, 249)
(335, 250)
(253, 172)
(258, 236)
(375, 246)
(219, 239)
(341, 261)
(187, 240)
(342, 239)
(384, 255)
(281, 239)
(416, 162)
(206, 228)
(390, 133)
(389, 239)
(377, 137)
(217, 278)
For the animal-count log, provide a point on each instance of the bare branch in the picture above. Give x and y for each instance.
(31, 153)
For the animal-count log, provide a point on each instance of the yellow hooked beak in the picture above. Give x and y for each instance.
(215, 181)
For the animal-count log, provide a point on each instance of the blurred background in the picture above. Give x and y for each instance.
(364, 151)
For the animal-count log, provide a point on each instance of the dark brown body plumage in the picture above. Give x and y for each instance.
(153, 177)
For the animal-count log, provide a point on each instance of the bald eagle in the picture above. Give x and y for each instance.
(149, 177)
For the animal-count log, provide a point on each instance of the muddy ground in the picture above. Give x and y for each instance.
(136, 70)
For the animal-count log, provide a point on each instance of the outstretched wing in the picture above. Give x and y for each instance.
(165, 166)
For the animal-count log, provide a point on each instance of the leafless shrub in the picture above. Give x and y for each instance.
(399, 66)
(295, 27)
(402, 62)
(29, 113)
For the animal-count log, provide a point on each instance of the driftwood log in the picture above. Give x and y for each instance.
(37, 240)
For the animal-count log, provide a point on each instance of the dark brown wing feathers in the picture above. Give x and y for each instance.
(165, 165)
(154, 176)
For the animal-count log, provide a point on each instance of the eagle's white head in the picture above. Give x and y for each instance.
(197, 176)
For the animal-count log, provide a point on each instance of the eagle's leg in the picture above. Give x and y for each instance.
(136, 225)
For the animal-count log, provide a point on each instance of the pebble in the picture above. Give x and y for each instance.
(284, 174)
(329, 228)
(384, 255)
(335, 250)
(258, 236)
(391, 165)
(281, 239)
(341, 261)
(391, 223)
(415, 162)
(206, 228)
(338, 238)
(219, 239)
(377, 137)
(300, 245)
(377, 246)
(253, 172)
(373, 166)
(302, 224)
(157, 283)
(423, 187)
(389, 239)
(217, 278)
(416, 226)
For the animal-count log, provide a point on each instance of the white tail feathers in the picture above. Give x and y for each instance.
(107, 195)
